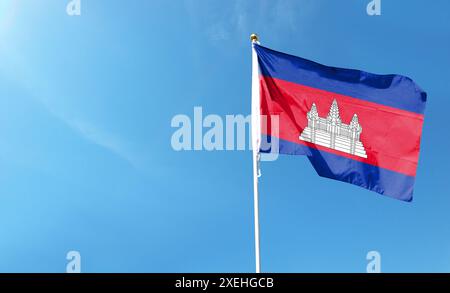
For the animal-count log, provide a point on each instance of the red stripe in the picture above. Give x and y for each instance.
(391, 137)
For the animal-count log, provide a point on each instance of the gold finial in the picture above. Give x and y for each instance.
(254, 38)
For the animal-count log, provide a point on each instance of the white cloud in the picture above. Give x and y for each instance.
(105, 139)
(272, 17)
(92, 132)
(19, 70)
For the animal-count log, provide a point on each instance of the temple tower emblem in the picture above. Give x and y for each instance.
(330, 132)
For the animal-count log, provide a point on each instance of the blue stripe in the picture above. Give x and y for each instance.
(380, 180)
(391, 90)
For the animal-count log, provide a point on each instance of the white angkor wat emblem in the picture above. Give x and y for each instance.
(332, 133)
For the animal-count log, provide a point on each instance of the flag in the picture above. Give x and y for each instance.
(353, 126)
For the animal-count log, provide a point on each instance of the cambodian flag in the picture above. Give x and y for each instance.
(354, 126)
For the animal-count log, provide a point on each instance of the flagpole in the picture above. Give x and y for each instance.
(256, 137)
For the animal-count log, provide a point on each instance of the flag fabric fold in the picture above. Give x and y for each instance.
(353, 126)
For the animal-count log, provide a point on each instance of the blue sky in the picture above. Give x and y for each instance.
(86, 162)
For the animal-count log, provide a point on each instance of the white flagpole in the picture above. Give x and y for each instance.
(256, 141)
